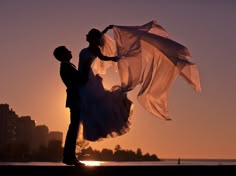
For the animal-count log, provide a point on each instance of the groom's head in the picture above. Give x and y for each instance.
(61, 53)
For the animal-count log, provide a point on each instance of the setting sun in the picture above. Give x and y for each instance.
(92, 163)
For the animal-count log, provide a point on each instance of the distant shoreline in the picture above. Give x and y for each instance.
(162, 162)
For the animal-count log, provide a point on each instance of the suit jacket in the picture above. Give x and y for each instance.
(71, 78)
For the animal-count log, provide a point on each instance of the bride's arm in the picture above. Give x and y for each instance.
(107, 28)
(98, 53)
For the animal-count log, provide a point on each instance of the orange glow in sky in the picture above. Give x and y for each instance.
(203, 124)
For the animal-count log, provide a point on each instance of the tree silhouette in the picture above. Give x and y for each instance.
(118, 155)
(82, 144)
(117, 147)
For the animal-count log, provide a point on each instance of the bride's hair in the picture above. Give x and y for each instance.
(94, 35)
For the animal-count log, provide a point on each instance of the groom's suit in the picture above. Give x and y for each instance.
(70, 76)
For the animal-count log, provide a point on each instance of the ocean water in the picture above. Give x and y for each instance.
(203, 162)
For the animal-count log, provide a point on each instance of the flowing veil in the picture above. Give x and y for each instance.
(108, 49)
(151, 59)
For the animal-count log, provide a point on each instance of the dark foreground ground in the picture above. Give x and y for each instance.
(181, 170)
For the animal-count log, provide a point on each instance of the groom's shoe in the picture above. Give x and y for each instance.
(73, 162)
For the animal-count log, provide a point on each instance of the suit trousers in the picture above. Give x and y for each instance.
(72, 133)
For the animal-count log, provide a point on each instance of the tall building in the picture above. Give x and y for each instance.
(24, 131)
(21, 138)
(55, 136)
(8, 120)
(40, 137)
(55, 145)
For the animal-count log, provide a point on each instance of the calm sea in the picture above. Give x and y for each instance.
(139, 163)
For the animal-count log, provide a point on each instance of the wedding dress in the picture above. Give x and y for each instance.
(103, 113)
(152, 60)
(148, 58)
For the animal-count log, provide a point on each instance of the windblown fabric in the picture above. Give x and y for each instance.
(151, 59)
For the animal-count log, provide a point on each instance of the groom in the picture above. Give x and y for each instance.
(71, 78)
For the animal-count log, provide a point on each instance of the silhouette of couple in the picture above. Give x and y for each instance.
(103, 113)
(150, 59)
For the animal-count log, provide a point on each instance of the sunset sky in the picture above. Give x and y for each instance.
(203, 125)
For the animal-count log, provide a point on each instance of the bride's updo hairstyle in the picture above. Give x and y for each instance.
(94, 36)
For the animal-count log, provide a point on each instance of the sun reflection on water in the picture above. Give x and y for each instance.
(92, 163)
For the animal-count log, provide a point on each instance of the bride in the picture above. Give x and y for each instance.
(104, 113)
(148, 57)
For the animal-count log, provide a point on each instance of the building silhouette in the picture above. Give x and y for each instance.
(25, 129)
(8, 120)
(22, 137)
(55, 136)
(40, 137)
(54, 145)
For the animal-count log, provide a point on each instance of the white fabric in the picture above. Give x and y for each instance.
(151, 59)
(109, 49)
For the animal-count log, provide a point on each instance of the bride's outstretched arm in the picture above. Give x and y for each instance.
(107, 28)
(96, 50)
